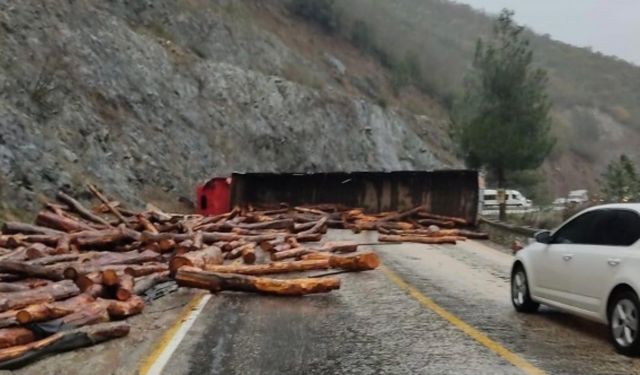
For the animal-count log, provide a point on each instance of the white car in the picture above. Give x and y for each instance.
(589, 266)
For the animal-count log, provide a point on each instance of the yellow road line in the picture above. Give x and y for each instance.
(480, 337)
(148, 363)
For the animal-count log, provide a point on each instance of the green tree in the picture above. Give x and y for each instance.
(502, 120)
(621, 181)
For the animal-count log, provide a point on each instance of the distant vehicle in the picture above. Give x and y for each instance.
(589, 266)
(513, 199)
(578, 196)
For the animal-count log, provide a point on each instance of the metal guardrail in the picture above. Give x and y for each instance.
(516, 229)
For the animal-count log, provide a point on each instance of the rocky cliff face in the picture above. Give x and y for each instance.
(154, 96)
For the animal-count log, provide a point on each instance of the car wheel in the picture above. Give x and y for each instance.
(623, 323)
(520, 296)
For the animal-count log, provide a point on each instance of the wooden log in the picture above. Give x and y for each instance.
(40, 312)
(52, 292)
(417, 239)
(144, 283)
(10, 227)
(338, 247)
(429, 215)
(52, 259)
(15, 336)
(402, 215)
(18, 356)
(215, 282)
(271, 268)
(90, 313)
(104, 200)
(208, 256)
(291, 253)
(314, 237)
(355, 262)
(282, 247)
(299, 227)
(237, 252)
(96, 290)
(310, 211)
(125, 287)
(316, 228)
(274, 224)
(12, 287)
(110, 277)
(80, 209)
(234, 244)
(32, 270)
(138, 270)
(63, 245)
(198, 240)
(85, 282)
(164, 245)
(66, 224)
(37, 250)
(207, 237)
(249, 254)
(123, 309)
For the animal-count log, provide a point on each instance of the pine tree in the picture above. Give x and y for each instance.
(621, 181)
(502, 121)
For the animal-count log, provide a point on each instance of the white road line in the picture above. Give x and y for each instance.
(163, 357)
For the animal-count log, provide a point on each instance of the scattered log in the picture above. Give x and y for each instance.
(66, 224)
(125, 287)
(124, 309)
(52, 292)
(314, 237)
(144, 283)
(15, 336)
(271, 268)
(355, 262)
(429, 215)
(292, 253)
(215, 282)
(401, 215)
(52, 310)
(80, 209)
(52, 259)
(238, 251)
(32, 270)
(145, 269)
(104, 200)
(440, 223)
(12, 287)
(10, 227)
(418, 239)
(200, 259)
(18, 356)
(316, 228)
(274, 224)
(249, 254)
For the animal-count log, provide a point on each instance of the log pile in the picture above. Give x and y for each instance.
(75, 275)
(414, 225)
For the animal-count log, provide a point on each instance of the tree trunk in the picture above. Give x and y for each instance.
(123, 309)
(80, 209)
(52, 310)
(200, 259)
(418, 239)
(22, 228)
(52, 292)
(355, 262)
(502, 213)
(215, 282)
(15, 336)
(66, 224)
(144, 283)
(18, 356)
(271, 268)
(125, 287)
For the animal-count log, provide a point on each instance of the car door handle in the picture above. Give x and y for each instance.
(613, 261)
(567, 257)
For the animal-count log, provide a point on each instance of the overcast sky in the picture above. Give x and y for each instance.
(609, 26)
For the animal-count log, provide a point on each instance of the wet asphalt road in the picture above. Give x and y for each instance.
(371, 326)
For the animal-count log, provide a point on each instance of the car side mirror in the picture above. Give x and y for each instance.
(543, 237)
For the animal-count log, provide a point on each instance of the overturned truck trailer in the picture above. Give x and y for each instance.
(445, 192)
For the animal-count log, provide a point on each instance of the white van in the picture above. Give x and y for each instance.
(514, 199)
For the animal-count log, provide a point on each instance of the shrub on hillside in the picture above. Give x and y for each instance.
(321, 12)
